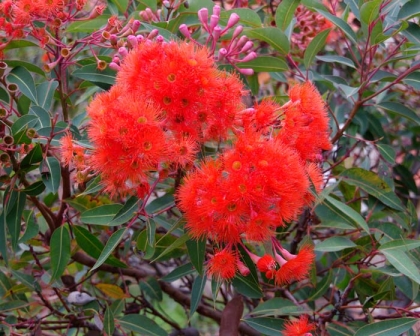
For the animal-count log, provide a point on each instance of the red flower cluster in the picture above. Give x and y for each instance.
(300, 327)
(168, 99)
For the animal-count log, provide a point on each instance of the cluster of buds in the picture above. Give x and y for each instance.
(238, 44)
(163, 14)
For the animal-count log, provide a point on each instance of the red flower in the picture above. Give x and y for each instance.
(305, 124)
(316, 179)
(223, 265)
(300, 327)
(296, 268)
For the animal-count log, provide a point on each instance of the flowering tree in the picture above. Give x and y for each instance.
(249, 166)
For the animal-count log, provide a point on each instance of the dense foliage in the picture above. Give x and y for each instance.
(197, 167)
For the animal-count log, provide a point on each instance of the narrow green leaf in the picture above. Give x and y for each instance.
(314, 47)
(321, 287)
(34, 156)
(340, 23)
(3, 242)
(370, 11)
(93, 246)
(403, 263)
(23, 79)
(13, 305)
(389, 327)
(413, 80)
(278, 306)
(161, 203)
(59, 251)
(248, 17)
(266, 325)
(88, 26)
(387, 152)
(177, 243)
(142, 325)
(51, 173)
(101, 215)
(401, 110)
(273, 36)
(93, 186)
(32, 227)
(196, 250)
(44, 117)
(26, 279)
(92, 74)
(122, 5)
(179, 272)
(109, 325)
(126, 212)
(400, 244)
(152, 289)
(373, 185)
(334, 244)
(28, 66)
(197, 292)
(337, 59)
(151, 231)
(45, 93)
(285, 13)
(247, 286)
(412, 33)
(167, 35)
(20, 127)
(14, 217)
(409, 10)
(265, 64)
(110, 246)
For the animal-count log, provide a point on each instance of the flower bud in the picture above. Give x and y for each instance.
(238, 30)
(136, 25)
(203, 16)
(246, 72)
(216, 10)
(113, 39)
(123, 51)
(184, 30)
(216, 33)
(252, 55)
(160, 39)
(233, 20)
(214, 20)
(248, 46)
(153, 34)
(132, 41)
(114, 66)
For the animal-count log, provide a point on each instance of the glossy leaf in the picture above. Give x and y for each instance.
(409, 9)
(265, 64)
(93, 246)
(179, 272)
(247, 286)
(340, 23)
(402, 262)
(389, 327)
(197, 292)
(20, 127)
(27, 65)
(273, 36)
(176, 244)
(152, 289)
(314, 47)
(196, 250)
(400, 244)
(92, 74)
(23, 79)
(401, 110)
(101, 215)
(14, 217)
(109, 324)
(34, 156)
(337, 59)
(370, 11)
(321, 287)
(110, 246)
(248, 17)
(334, 244)
(51, 173)
(266, 325)
(45, 93)
(59, 251)
(285, 13)
(126, 212)
(142, 325)
(278, 306)
(373, 185)
(88, 26)
(387, 152)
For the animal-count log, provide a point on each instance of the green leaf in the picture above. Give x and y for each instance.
(278, 306)
(142, 325)
(23, 79)
(389, 327)
(412, 33)
(101, 215)
(45, 93)
(13, 305)
(387, 152)
(34, 156)
(403, 263)
(265, 64)
(179, 272)
(409, 10)
(197, 292)
(196, 250)
(340, 23)
(285, 13)
(161, 203)
(93, 186)
(17, 44)
(32, 227)
(59, 251)
(373, 185)
(331, 210)
(404, 245)
(334, 244)
(273, 36)
(93, 246)
(413, 80)
(26, 279)
(14, 217)
(28, 66)
(126, 212)
(370, 11)
(109, 325)
(151, 231)
(51, 173)
(152, 289)
(88, 26)
(110, 246)
(337, 59)
(177, 243)
(248, 17)
(167, 35)
(314, 47)
(20, 127)
(122, 6)
(247, 286)
(321, 287)
(401, 110)
(3, 243)
(266, 325)
(43, 116)
(92, 74)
